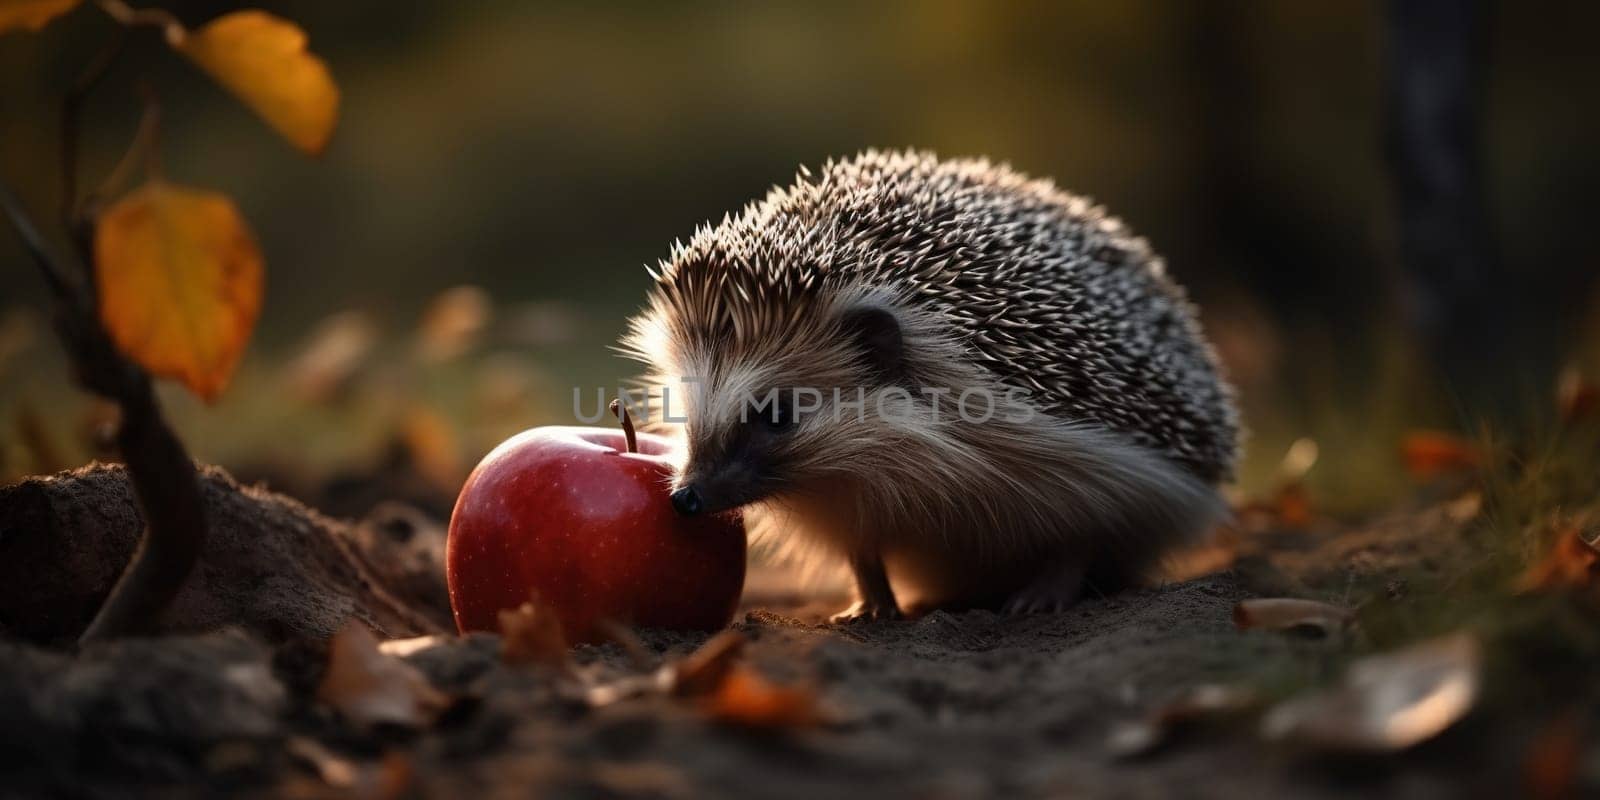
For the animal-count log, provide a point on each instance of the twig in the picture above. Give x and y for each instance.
(162, 474)
(143, 147)
(71, 107)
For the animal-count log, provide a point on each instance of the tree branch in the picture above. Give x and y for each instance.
(163, 475)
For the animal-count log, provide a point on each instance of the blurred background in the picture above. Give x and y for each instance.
(467, 250)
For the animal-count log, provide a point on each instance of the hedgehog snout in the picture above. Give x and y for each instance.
(723, 488)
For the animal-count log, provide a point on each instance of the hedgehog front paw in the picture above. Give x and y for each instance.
(864, 611)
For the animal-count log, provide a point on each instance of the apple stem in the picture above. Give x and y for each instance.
(627, 425)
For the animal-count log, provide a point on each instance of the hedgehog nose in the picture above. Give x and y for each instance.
(686, 501)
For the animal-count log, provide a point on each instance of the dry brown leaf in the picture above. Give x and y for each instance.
(1293, 506)
(1555, 759)
(369, 687)
(1200, 702)
(702, 671)
(262, 60)
(452, 323)
(1290, 614)
(1573, 561)
(31, 15)
(392, 777)
(332, 355)
(1431, 453)
(435, 450)
(1387, 702)
(1576, 397)
(179, 278)
(335, 770)
(531, 634)
(745, 698)
(401, 648)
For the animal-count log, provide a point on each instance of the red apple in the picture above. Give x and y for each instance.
(579, 519)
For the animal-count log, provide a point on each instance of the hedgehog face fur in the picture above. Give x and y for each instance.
(945, 373)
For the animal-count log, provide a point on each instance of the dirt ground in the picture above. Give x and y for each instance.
(950, 705)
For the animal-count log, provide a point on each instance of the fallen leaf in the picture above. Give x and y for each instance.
(262, 60)
(531, 634)
(1298, 460)
(401, 648)
(1572, 561)
(1431, 453)
(452, 323)
(746, 699)
(335, 770)
(704, 670)
(369, 687)
(638, 655)
(179, 278)
(1293, 506)
(332, 355)
(1464, 508)
(1555, 759)
(392, 778)
(1577, 398)
(599, 695)
(432, 445)
(1291, 614)
(1387, 702)
(1143, 736)
(31, 15)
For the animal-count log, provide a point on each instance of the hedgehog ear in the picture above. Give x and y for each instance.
(876, 334)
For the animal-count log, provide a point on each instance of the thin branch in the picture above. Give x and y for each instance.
(71, 108)
(159, 467)
(141, 148)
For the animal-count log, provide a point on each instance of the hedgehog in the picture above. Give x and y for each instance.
(971, 387)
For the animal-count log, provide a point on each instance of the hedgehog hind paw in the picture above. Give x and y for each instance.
(1057, 589)
(866, 611)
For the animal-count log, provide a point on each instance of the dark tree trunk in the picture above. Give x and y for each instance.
(1452, 288)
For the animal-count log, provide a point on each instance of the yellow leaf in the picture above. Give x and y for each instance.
(262, 59)
(31, 14)
(179, 276)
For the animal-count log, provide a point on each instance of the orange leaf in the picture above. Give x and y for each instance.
(1576, 397)
(1572, 561)
(531, 634)
(745, 698)
(262, 59)
(1430, 453)
(31, 15)
(704, 670)
(370, 687)
(179, 277)
(1554, 762)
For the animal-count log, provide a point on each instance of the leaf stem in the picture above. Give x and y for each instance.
(72, 211)
(143, 145)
